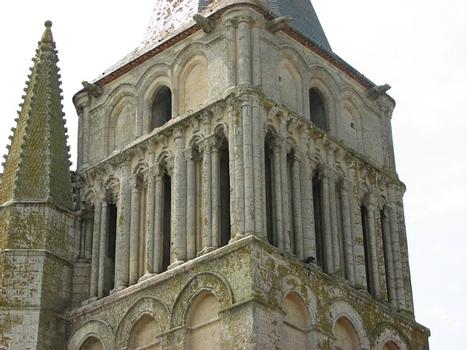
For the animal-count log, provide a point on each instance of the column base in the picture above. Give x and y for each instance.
(206, 250)
(146, 277)
(117, 289)
(89, 301)
(175, 264)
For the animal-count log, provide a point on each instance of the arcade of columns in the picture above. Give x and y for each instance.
(299, 154)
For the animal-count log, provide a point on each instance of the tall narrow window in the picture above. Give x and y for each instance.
(318, 219)
(224, 193)
(161, 111)
(111, 246)
(269, 192)
(167, 215)
(317, 110)
(366, 249)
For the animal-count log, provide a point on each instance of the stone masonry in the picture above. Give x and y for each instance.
(236, 188)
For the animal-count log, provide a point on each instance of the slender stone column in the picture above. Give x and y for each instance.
(297, 207)
(388, 258)
(206, 198)
(231, 43)
(103, 247)
(234, 213)
(150, 213)
(178, 239)
(191, 205)
(279, 239)
(123, 230)
(256, 53)
(215, 194)
(396, 252)
(258, 167)
(82, 102)
(308, 225)
(239, 176)
(327, 233)
(285, 199)
(244, 51)
(248, 166)
(134, 230)
(373, 249)
(158, 222)
(95, 250)
(347, 228)
(334, 224)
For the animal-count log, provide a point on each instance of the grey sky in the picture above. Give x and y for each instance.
(418, 47)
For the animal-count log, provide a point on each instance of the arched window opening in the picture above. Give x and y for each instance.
(390, 346)
(296, 323)
(109, 265)
(203, 324)
(318, 220)
(143, 336)
(224, 193)
(317, 110)
(92, 343)
(367, 250)
(268, 172)
(346, 337)
(161, 111)
(166, 219)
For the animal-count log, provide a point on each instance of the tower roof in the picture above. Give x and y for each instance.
(168, 16)
(37, 164)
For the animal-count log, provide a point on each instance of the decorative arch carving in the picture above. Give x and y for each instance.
(95, 328)
(121, 121)
(144, 306)
(205, 282)
(342, 309)
(386, 333)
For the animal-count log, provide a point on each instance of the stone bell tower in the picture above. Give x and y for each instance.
(237, 189)
(36, 218)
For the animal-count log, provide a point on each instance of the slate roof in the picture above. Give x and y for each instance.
(172, 16)
(37, 167)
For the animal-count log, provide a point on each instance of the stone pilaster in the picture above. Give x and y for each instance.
(95, 250)
(347, 231)
(297, 207)
(374, 269)
(158, 220)
(327, 231)
(150, 227)
(388, 257)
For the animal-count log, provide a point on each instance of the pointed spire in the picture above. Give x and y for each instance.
(37, 167)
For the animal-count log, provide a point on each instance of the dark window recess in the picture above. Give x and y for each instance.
(161, 108)
(366, 250)
(111, 246)
(317, 110)
(269, 194)
(224, 193)
(167, 215)
(318, 219)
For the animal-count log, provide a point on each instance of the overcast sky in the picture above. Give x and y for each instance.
(419, 47)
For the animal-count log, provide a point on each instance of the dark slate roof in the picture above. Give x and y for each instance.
(170, 17)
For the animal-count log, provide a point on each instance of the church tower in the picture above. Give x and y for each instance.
(236, 189)
(36, 218)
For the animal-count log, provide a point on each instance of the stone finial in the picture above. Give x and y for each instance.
(377, 91)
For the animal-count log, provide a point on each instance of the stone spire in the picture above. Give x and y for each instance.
(170, 16)
(37, 167)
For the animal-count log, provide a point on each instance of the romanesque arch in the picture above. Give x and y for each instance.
(91, 335)
(122, 123)
(203, 323)
(139, 327)
(296, 324)
(348, 328)
(193, 84)
(388, 338)
(205, 282)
